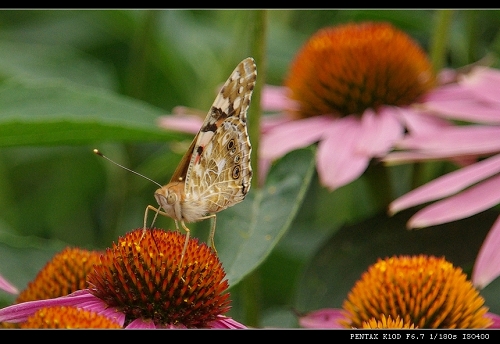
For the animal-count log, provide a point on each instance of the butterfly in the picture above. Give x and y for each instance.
(215, 171)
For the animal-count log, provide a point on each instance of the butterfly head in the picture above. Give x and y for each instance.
(169, 198)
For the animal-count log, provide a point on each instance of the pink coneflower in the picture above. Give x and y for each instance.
(408, 292)
(472, 188)
(139, 283)
(354, 89)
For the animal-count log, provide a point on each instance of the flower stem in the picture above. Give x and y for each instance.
(439, 39)
(251, 284)
(258, 49)
(251, 299)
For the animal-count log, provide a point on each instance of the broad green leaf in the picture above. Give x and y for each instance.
(43, 61)
(56, 112)
(247, 232)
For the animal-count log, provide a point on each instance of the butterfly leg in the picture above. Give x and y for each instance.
(157, 211)
(212, 231)
(188, 232)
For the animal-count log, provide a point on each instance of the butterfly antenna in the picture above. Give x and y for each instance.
(96, 151)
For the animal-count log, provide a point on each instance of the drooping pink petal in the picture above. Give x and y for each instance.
(223, 322)
(7, 286)
(379, 131)
(338, 160)
(447, 75)
(465, 204)
(419, 122)
(453, 141)
(98, 306)
(466, 110)
(495, 318)
(274, 98)
(409, 156)
(293, 135)
(447, 92)
(141, 324)
(447, 184)
(323, 318)
(487, 264)
(184, 123)
(80, 298)
(484, 83)
(269, 122)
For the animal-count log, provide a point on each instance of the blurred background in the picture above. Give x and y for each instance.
(71, 81)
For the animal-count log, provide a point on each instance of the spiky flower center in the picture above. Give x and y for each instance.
(143, 277)
(349, 68)
(386, 322)
(426, 291)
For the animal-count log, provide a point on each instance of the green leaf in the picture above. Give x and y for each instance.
(59, 112)
(45, 61)
(247, 232)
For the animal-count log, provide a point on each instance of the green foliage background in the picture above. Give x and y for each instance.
(74, 80)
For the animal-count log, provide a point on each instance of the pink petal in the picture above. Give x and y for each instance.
(323, 318)
(464, 204)
(293, 135)
(7, 286)
(379, 131)
(453, 141)
(447, 75)
(466, 110)
(274, 98)
(448, 92)
(21, 311)
(141, 324)
(223, 322)
(338, 160)
(448, 184)
(269, 122)
(408, 156)
(419, 122)
(495, 318)
(405, 157)
(184, 123)
(484, 83)
(487, 265)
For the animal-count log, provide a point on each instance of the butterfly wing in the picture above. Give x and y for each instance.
(219, 173)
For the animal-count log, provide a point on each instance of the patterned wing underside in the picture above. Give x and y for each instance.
(226, 173)
(219, 170)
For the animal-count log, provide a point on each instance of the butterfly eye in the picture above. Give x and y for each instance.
(236, 172)
(171, 198)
